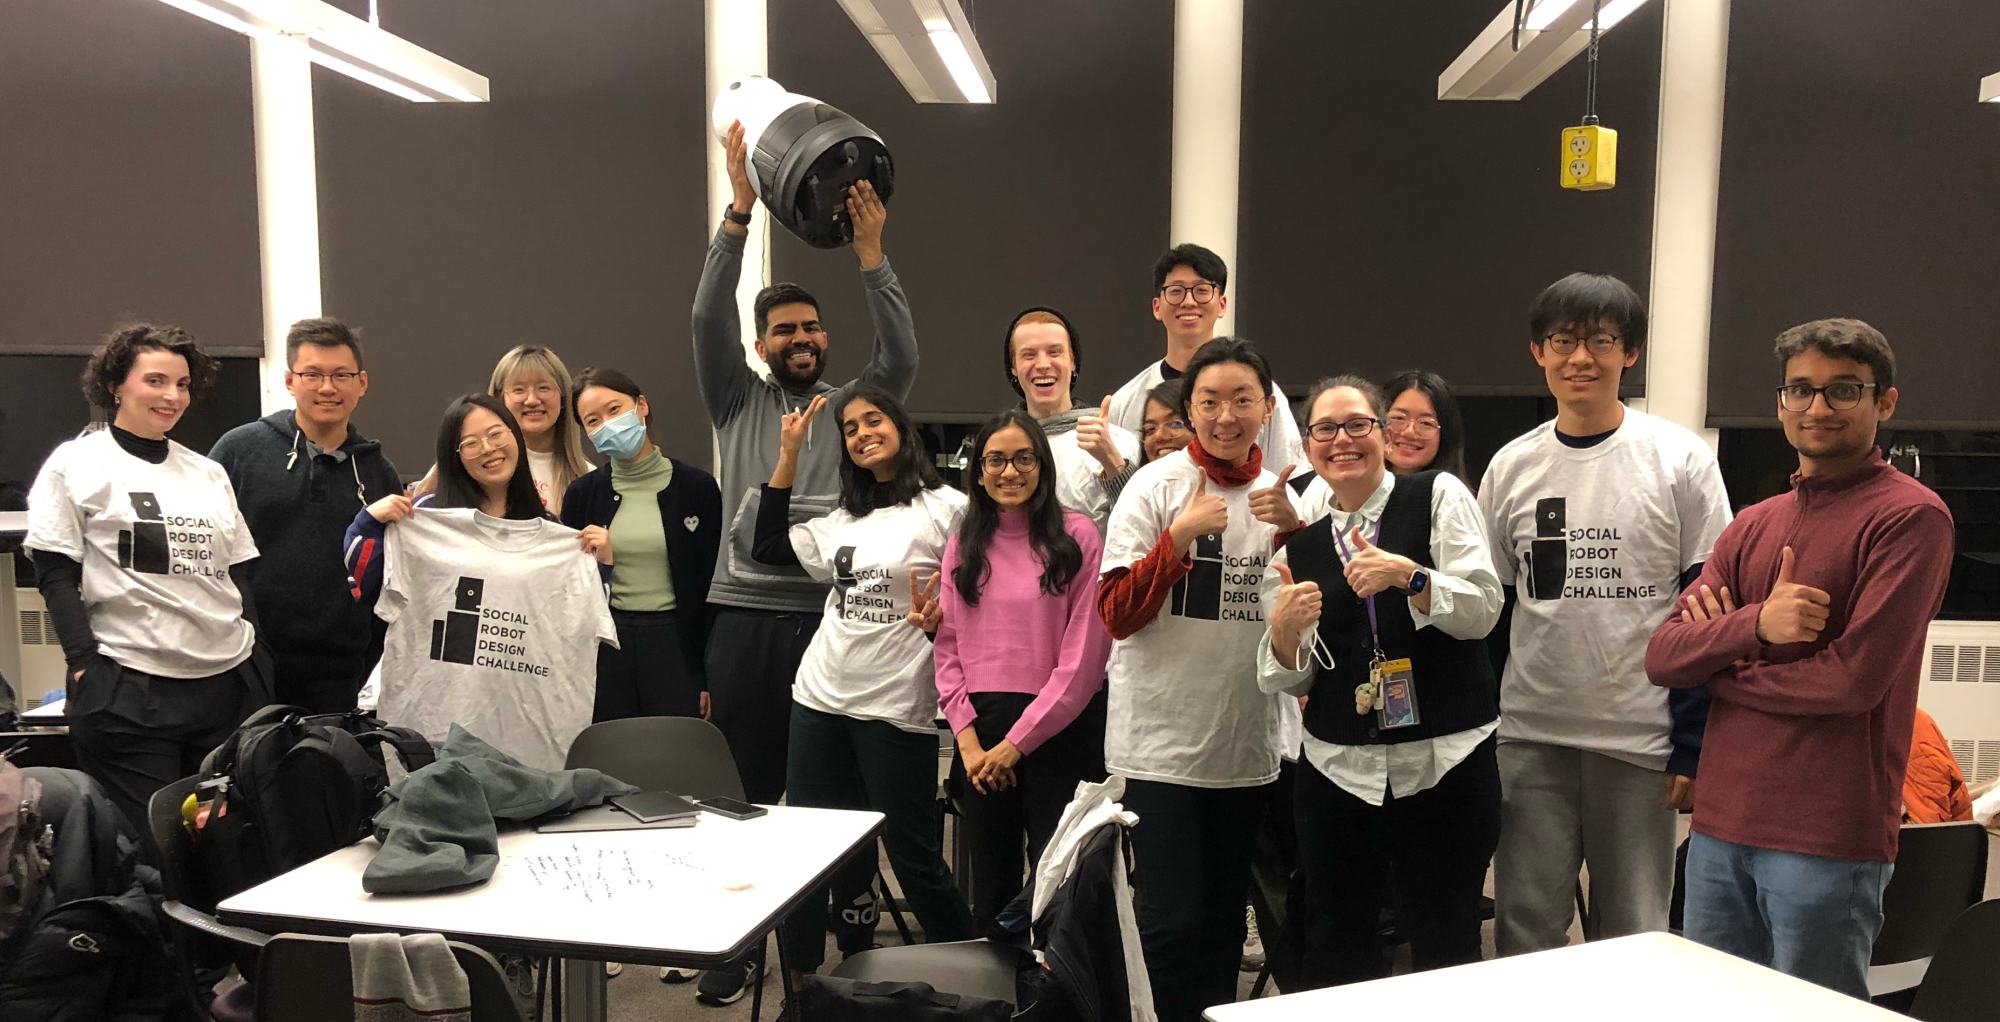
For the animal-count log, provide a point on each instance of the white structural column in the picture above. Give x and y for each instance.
(1208, 129)
(287, 198)
(737, 45)
(1694, 52)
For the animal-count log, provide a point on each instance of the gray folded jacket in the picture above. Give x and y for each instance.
(438, 831)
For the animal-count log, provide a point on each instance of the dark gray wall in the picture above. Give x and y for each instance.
(127, 176)
(1858, 179)
(1385, 230)
(569, 211)
(1056, 195)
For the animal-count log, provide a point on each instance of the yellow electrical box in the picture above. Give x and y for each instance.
(1589, 158)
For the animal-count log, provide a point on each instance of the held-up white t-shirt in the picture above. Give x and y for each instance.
(866, 661)
(1183, 702)
(493, 625)
(1594, 541)
(156, 543)
(1079, 483)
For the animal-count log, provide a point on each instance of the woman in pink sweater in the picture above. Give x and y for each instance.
(1020, 656)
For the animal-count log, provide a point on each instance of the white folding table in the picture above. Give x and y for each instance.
(1650, 977)
(692, 897)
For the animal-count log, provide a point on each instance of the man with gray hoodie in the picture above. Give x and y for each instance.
(765, 616)
(301, 474)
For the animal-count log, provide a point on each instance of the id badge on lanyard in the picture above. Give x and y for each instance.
(1391, 689)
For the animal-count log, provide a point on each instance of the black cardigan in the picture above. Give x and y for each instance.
(691, 510)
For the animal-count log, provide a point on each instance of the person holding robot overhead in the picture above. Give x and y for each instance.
(765, 615)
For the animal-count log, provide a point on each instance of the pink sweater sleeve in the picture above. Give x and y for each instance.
(1086, 646)
(949, 668)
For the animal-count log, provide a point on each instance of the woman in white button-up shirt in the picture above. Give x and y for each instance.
(1401, 763)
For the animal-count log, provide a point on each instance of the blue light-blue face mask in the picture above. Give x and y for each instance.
(620, 436)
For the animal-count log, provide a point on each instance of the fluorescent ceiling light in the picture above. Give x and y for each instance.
(929, 46)
(1989, 89)
(1554, 31)
(339, 41)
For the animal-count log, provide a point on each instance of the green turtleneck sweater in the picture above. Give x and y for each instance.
(640, 579)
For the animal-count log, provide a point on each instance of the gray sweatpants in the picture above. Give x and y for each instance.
(1564, 808)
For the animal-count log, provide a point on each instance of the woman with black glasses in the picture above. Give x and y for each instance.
(1020, 656)
(1377, 612)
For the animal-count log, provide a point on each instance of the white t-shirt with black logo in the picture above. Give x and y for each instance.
(1079, 480)
(866, 661)
(1183, 702)
(156, 543)
(493, 625)
(1594, 540)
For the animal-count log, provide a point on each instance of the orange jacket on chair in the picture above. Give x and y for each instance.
(1933, 789)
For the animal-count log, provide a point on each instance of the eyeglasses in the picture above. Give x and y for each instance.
(1422, 427)
(1602, 344)
(1798, 397)
(1357, 428)
(1210, 407)
(313, 377)
(1148, 430)
(1175, 294)
(495, 438)
(1024, 462)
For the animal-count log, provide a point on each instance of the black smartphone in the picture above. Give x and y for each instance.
(732, 808)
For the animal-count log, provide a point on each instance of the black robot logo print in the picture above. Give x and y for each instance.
(162, 544)
(1578, 562)
(1219, 586)
(477, 635)
(864, 592)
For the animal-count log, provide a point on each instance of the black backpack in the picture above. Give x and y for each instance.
(286, 788)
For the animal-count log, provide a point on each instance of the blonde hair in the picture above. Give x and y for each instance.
(568, 434)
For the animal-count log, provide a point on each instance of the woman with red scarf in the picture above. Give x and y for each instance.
(1195, 739)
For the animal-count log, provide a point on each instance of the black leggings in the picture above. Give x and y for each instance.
(1192, 847)
(1439, 842)
(1044, 783)
(646, 675)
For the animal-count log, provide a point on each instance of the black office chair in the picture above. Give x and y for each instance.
(1958, 987)
(181, 887)
(979, 968)
(1940, 871)
(303, 978)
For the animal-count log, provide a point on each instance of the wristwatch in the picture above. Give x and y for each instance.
(730, 214)
(1419, 581)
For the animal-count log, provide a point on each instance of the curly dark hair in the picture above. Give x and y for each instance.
(112, 362)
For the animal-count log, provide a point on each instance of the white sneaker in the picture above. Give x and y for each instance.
(673, 975)
(613, 969)
(1253, 944)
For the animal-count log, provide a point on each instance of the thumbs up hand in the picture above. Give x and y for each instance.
(925, 610)
(1093, 437)
(1294, 611)
(1371, 569)
(1204, 514)
(1274, 505)
(1792, 613)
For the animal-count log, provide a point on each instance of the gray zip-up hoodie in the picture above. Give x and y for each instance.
(745, 407)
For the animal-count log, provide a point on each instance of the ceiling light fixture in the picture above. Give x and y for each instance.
(1552, 31)
(929, 46)
(339, 41)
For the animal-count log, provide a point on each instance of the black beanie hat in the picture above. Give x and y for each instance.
(1007, 347)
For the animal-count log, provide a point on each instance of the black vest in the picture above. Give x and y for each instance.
(1454, 678)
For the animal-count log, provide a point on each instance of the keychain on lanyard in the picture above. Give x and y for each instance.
(1368, 694)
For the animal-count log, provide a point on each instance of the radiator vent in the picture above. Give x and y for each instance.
(1964, 664)
(1978, 759)
(31, 630)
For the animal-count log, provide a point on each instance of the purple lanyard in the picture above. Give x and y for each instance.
(1374, 632)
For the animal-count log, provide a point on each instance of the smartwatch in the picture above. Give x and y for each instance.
(730, 214)
(1419, 581)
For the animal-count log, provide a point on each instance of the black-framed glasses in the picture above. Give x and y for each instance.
(1840, 395)
(1601, 344)
(1423, 427)
(1203, 293)
(1357, 428)
(1151, 429)
(1024, 462)
(313, 377)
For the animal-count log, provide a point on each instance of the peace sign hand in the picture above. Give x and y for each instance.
(1373, 570)
(793, 427)
(1273, 505)
(926, 612)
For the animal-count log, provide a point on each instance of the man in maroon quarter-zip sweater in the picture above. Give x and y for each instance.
(1807, 626)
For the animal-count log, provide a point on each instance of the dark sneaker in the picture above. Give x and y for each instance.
(726, 985)
(669, 974)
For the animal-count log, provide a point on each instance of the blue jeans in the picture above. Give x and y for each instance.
(1810, 916)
